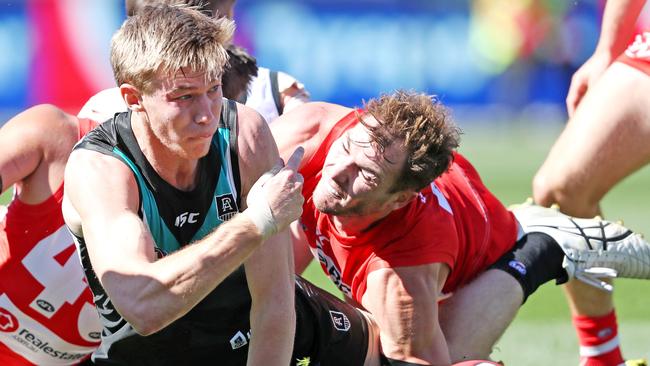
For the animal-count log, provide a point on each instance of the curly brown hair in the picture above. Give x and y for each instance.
(424, 128)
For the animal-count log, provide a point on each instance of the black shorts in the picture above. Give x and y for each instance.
(328, 331)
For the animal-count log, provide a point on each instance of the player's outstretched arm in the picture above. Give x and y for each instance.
(403, 301)
(269, 270)
(35, 147)
(617, 29)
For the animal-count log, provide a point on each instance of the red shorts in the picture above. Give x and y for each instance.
(637, 54)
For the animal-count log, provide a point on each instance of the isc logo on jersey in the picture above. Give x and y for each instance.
(186, 218)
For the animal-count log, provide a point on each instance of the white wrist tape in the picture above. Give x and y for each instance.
(262, 217)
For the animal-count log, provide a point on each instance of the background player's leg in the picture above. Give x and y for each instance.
(605, 141)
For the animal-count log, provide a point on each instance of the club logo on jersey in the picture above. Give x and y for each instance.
(239, 340)
(226, 206)
(186, 218)
(45, 305)
(8, 322)
(340, 321)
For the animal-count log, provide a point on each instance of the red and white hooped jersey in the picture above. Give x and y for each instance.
(455, 221)
(47, 316)
(637, 53)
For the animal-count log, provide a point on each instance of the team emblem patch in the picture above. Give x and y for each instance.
(226, 206)
(238, 340)
(340, 321)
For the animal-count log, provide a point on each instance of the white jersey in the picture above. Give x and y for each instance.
(103, 105)
(264, 95)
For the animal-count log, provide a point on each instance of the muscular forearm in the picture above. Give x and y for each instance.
(271, 282)
(403, 301)
(152, 295)
(618, 24)
(273, 330)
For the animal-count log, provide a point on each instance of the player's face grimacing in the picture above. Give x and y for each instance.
(356, 177)
(183, 112)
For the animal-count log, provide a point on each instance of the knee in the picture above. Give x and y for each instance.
(573, 198)
(548, 188)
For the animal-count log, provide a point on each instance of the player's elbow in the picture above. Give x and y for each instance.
(145, 315)
(144, 320)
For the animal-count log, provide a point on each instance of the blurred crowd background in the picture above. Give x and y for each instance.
(487, 59)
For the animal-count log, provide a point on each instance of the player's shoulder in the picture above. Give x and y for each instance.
(43, 121)
(255, 142)
(250, 123)
(313, 116)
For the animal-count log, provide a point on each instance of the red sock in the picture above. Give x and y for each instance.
(598, 337)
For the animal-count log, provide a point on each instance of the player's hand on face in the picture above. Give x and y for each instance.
(275, 200)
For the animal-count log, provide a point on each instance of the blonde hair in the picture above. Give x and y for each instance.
(424, 128)
(167, 39)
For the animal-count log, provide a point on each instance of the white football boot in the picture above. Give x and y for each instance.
(594, 249)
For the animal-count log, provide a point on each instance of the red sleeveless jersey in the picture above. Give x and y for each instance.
(47, 316)
(455, 221)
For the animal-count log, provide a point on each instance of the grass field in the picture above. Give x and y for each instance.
(541, 335)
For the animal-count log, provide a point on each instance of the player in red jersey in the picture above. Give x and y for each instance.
(396, 241)
(604, 141)
(47, 315)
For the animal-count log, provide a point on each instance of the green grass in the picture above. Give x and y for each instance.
(542, 335)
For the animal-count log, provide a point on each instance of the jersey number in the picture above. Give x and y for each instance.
(63, 283)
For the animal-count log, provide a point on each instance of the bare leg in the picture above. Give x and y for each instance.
(494, 295)
(605, 141)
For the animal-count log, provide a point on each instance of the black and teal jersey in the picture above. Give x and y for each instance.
(217, 329)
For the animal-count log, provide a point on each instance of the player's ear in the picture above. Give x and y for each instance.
(132, 97)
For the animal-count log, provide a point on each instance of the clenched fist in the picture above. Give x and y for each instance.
(275, 200)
